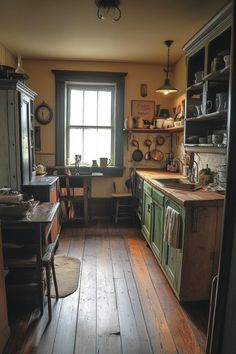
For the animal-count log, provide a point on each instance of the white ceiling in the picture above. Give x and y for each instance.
(69, 29)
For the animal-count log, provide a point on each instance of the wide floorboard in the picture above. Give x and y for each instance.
(123, 305)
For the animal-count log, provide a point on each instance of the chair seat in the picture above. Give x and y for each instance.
(121, 195)
(123, 205)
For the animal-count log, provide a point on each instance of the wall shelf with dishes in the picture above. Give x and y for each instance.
(171, 131)
(208, 71)
(155, 130)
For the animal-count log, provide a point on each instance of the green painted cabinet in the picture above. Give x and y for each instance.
(190, 268)
(172, 257)
(138, 192)
(147, 210)
(157, 223)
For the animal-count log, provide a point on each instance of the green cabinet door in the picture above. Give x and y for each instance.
(157, 223)
(147, 207)
(172, 257)
(139, 196)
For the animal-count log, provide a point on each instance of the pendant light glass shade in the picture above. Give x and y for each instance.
(167, 87)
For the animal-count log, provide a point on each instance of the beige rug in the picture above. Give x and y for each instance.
(67, 274)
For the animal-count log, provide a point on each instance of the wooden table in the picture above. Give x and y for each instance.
(73, 182)
(38, 224)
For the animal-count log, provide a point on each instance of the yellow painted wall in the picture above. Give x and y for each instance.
(179, 81)
(42, 81)
(6, 58)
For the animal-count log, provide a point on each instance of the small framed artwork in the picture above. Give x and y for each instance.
(143, 90)
(37, 138)
(142, 108)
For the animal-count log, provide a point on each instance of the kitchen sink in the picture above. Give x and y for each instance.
(178, 183)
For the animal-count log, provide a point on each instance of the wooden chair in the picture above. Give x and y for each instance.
(123, 203)
(48, 264)
(73, 190)
(26, 263)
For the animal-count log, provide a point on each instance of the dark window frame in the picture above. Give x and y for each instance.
(97, 87)
(64, 76)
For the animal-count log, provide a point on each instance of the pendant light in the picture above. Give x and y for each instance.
(108, 8)
(167, 87)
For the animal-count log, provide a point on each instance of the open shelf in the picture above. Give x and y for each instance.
(207, 117)
(209, 148)
(196, 87)
(156, 130)
(220, 75)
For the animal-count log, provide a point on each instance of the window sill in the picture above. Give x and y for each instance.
(109, 171)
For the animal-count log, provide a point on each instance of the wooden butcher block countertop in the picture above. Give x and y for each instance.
(199, 197)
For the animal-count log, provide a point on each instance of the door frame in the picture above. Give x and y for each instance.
(223, 339)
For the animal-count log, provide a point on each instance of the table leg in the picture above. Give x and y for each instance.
(86, 190)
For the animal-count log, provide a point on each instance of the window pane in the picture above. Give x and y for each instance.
(104, 108)
(76, 107)
(104, 143)
(90, 145)
(97, 143)
(75, 144)
(90, 107)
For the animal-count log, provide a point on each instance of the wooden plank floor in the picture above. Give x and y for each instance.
(123, 304)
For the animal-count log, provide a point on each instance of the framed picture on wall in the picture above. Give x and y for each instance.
(142, 108)
(37, 138)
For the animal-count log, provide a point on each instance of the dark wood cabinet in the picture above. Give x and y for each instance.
(4, 328)
(17, 147)
(207, 79)
(46, 189)
(24, 243)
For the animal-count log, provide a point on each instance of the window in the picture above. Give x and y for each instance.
(89, 117)
(90, 122)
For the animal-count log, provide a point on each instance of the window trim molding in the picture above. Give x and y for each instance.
(118, 78)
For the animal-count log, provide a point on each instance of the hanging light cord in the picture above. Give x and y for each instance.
(168, 44)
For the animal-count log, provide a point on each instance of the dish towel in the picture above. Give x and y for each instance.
(172, 227)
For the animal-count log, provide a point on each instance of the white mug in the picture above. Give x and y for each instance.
(221, 101)
(206, 108)
(104, 161)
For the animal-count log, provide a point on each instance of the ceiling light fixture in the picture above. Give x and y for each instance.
(167, 87)
(108, 8)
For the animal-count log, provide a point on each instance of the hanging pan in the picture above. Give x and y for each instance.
(137, 154)
(157, 155)
(147, 155)
(160, 140)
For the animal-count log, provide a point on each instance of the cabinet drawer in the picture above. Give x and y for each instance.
(147, 188)
(158, 196)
